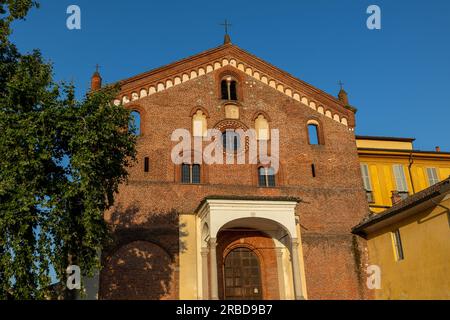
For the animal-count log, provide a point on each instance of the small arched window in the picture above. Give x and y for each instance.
(314, 134)
(262, 128)
(231, 141)
(266, 177)
(228, 89)
(190, 173)
(134, 125)
(199, 124)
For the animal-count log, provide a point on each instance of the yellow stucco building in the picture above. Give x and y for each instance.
(408, 229)
(392, 165)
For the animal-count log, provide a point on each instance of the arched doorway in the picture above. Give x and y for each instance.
(242, 275)
(269, 229)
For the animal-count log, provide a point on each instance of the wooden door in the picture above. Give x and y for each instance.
(242, 275)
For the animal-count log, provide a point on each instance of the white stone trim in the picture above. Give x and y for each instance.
(217, 213)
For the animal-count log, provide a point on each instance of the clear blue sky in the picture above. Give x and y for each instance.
(397, 77)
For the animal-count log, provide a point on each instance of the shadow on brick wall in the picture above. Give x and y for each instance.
(142, 260)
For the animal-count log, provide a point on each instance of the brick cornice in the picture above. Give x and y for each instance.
(231, 56)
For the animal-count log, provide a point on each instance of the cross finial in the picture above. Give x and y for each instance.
(226, 25)
(341, 84)
(226, 39)
(97, 67)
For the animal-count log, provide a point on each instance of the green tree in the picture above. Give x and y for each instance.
(61, 161)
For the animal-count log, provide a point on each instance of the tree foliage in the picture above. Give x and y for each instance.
(61, 161)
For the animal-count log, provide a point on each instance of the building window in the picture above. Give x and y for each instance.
(266, 177)
(146, 164)
(190, 173)
(314, 132)
(400, 181)
(185, 173)
(195, 173)
(199, 124)
(231, 141)
(134, 125)
(432, 176)
(367, 182)
(228, 88)
(262, 128)
(398, 247)
(313, 170)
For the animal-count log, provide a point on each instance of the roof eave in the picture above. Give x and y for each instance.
(403, 209)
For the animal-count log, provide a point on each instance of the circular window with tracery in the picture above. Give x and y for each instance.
(232, 131)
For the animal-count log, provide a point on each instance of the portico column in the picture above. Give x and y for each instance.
(205, 273)
(213, 263)
(279, 252)
(296, 270)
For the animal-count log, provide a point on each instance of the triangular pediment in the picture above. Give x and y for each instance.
(229, 55)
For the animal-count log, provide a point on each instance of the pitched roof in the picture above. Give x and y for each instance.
(165, 77)
(403, 209)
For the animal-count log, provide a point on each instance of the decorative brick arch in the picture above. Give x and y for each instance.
(261, 112)
(230, 124)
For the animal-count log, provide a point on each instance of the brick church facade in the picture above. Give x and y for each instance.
(237, 231)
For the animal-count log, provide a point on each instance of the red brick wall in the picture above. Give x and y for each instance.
(138, 270)
(332, 202)
(331, 270)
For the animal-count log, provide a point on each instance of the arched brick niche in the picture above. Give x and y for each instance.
(140, 270)
(141, 262)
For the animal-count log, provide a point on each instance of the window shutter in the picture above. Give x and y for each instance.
(366, 177)
(432, 176)
(400, 179)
